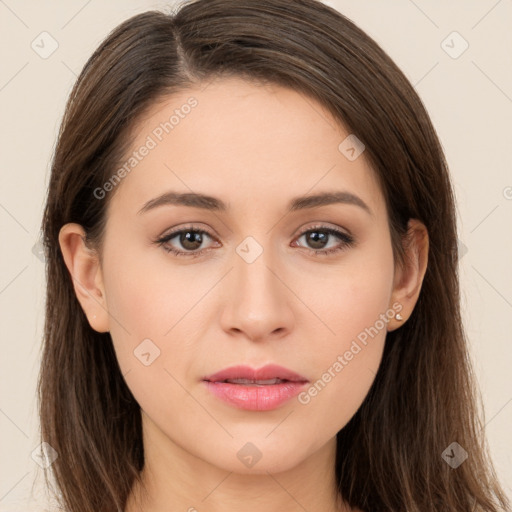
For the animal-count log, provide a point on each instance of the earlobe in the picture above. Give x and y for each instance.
(84, 267)
(409, 277)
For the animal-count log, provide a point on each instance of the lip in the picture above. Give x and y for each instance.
(256, 397)
(269, 371)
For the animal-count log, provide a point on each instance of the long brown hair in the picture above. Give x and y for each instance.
(424, 397)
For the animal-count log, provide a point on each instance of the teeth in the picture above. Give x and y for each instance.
(254, 382)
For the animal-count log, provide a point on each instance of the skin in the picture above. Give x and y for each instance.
(249, 145)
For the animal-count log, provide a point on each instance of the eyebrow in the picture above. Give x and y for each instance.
(206, 202)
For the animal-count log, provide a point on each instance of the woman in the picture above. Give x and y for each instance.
(253, 296)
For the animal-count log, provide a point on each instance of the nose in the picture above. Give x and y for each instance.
(257, 301)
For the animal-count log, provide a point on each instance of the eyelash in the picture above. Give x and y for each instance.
(347, 241)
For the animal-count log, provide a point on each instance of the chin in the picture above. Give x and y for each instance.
(259, 456)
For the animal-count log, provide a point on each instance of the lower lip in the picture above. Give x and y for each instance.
(255, 398)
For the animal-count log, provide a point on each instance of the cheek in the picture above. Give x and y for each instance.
(355, 308)
(351, 296)
(139, 303)
(155, 317)
(147, 304)
(146, 291)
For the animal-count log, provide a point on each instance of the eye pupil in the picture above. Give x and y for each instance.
(317, 239)
(193, 237)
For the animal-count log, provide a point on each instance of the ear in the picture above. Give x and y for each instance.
(84, 266)
(409, 277)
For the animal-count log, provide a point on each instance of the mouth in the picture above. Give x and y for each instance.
(252, 389)
(269, 374)
(252, 382)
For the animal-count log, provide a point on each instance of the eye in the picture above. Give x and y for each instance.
(190, 239)
(319, 236)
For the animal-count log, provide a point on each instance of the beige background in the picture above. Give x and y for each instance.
(469, 99)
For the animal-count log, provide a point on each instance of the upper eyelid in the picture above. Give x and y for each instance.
(325, 225)
(186, 228)
(320, 225)
(338, 232)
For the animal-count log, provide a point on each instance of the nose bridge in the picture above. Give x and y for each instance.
(253, 275)
(257, 300)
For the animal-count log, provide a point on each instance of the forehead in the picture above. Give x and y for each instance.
(241, 141)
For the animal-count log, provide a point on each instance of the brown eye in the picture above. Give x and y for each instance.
(317, 239)
(188, 239)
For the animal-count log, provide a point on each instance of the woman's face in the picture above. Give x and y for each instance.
(249, 288)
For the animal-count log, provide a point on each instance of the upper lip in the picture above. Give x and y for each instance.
(270, 371)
